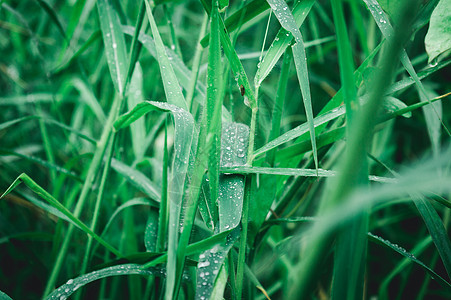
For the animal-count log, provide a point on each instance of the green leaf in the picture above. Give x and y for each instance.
(114, 41)
(3, 296)
(135, 96)
(288, 22)
(411, 257)
(438, 37)
(171, 84)
(234, 141)
(72, 285)
(138, 179)
(281, 42)
(55, 203)
(210, 263)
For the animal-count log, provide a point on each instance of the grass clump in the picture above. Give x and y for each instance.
(208, 150)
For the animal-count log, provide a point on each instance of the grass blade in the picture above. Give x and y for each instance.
(288, 22)
(55, 203)
(113, 38)
(72, 285)
(171, 84)
(281, 42)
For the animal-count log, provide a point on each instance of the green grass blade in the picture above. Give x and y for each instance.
(72, 285)
(244, 14)
(114, 41)
(281, 41)
(411, 257)
(171, 84)
(294, 172)
(288, 22)
(138, 179)
(210, 264)
(301, 129)
(55, 203)
(53, 16)
(235, 138)
(4, 296)
(351, 243)
(184, 132)
(163, 219)
(138, 128)
(382, 21)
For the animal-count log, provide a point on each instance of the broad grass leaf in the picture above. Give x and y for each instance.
(114, 41)
(234, 141)
(210, 263)
(438, 37)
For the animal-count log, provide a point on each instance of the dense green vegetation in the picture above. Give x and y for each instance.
(208, 150)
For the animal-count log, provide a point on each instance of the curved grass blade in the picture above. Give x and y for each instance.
(171, 85)
(27, 99)
(410, 256)
(72, 285)
(382, 21)
(55, 203)
(288, 22)
(44, 163)
(114, 41)
(138, 179)
(3, 296)
(244, 14)
(53, 16)
(282, 41)
(184, 132)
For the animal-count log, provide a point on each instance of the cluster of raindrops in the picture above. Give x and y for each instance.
(234, 142)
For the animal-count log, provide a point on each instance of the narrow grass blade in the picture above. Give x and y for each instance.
(135, 96)
(281, 42)
(411, 257)
(382, 21)
(171, 84)
(196, 248)
(244, 14)
(114, 41)
(301, 129)
(163, 216)
(183, 138)
(138, 179)
(72, 285)
(46, 164)
(53, 16)
(288, 22)
(55, 203)
(294, 172)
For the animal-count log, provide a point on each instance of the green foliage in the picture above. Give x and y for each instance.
(165, 159)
